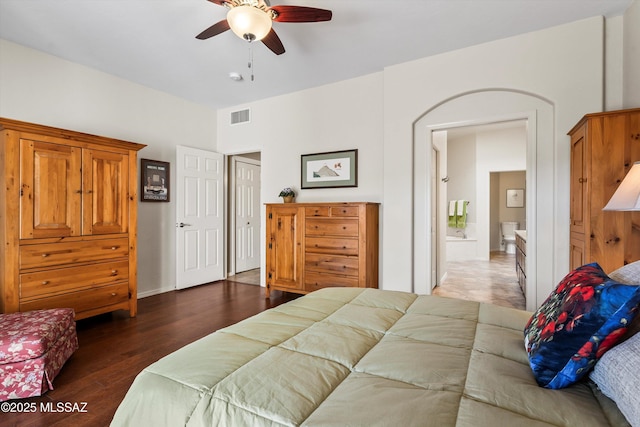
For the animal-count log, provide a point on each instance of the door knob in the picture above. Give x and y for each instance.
(182, 224)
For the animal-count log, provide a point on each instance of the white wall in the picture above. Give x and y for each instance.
(631, 45)
(377, 113)
(613, 66)
(341, 116)
(471, 161)
(543, 64)
(461, 164)
(40, 88)
(497, 151)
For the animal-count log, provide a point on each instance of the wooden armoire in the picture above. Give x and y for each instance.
(317, 245)
(604, 147)
(68, 217)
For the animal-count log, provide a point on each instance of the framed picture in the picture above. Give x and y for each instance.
(329, 170)
(515, 198)
(154, 181)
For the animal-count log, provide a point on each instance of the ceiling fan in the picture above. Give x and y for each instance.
(251, 20)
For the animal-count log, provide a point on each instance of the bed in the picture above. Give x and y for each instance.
(353, 356)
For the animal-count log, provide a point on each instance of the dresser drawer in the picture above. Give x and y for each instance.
(328, 245)
(316, 211)
(344, 211)
(331, 264)
(62, 280)
(84, 300)
(314, 281)
(331, 227)
(50, 254)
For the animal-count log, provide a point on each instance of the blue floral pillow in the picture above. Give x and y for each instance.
(582, 318)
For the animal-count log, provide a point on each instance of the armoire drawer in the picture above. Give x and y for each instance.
(50, 254)
(330, 227)
(55, 281)
(84, 300)
(314, 281)
(328, 245)
(325, 263)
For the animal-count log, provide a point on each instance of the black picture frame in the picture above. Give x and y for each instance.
(331, 169)
(154, 181)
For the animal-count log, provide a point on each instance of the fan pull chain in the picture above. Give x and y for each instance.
(250, 64)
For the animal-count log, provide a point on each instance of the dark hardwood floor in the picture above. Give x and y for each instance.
(114, 348)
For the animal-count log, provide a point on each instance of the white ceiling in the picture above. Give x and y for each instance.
(152, 42)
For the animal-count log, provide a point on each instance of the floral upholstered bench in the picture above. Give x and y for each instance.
(34, 346)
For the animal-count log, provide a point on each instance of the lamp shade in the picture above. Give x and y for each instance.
(627, 196)
(249, 23)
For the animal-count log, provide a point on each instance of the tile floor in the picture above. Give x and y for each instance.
(251, 277)
(493, 281)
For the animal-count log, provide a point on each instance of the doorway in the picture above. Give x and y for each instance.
(476, 108)
(244, 217)
(480, 159)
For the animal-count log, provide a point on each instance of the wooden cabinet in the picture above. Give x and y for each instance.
(604, 146)
(316, 245)
(284, 247)
(69, 212)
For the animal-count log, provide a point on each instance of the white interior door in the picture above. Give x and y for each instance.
(434, 218)
(247, 219)
(199, 217)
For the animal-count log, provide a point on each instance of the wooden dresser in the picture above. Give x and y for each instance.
(317, 245)
(68, 211)
(603, 149)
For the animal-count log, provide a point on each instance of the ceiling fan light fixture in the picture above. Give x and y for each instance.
(249, 23)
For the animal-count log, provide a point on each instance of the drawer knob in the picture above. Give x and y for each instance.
(114, 272)
(113, 294)
(45, 255)
(45, 282)
(113, 248)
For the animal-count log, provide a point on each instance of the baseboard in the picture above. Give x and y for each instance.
(154, 292)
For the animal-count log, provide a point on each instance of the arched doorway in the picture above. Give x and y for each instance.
(475, 108)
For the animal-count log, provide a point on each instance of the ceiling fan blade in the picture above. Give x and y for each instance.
(214, 30)
(301, 14)
(272, 41)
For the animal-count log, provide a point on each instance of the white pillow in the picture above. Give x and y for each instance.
(628, 274)
(617, 375)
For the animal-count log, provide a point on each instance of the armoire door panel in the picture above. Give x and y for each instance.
(50, 190)
(105, 192)
(578, 181)
(603, 148)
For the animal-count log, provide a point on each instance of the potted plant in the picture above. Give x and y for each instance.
(287, 194)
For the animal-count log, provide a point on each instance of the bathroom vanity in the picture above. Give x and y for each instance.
(521, 259)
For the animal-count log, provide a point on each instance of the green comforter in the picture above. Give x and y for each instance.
(361, 357)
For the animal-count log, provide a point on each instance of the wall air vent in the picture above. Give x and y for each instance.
(240, 116)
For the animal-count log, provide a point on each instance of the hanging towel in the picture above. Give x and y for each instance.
(452, 213)
(461, 214)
